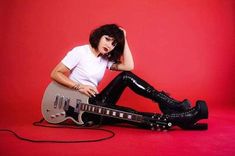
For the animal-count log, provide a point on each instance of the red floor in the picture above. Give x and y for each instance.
(218, 140)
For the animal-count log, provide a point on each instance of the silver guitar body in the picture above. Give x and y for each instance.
(58, 100)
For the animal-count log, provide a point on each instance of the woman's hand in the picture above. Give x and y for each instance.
(124, 31)
(88, 90)
(127, 62)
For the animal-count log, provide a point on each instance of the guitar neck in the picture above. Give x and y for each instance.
(109, 112)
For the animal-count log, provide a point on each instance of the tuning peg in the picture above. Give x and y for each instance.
(169, 124)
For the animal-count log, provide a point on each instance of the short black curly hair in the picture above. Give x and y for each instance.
(112, 30)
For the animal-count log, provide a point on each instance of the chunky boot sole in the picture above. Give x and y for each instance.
(197, 126)
(204, 109)
(203, 115)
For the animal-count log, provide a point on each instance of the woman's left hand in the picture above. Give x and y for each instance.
(124, 31)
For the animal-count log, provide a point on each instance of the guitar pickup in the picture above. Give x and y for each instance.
(66, 104)
(56, 101)
(61, 101)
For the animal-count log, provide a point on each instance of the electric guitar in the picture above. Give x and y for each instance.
(61, 103)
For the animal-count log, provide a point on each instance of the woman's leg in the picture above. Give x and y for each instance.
(185, 120)
(111, 93)
(176, 111)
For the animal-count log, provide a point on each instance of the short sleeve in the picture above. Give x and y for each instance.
(72, 58)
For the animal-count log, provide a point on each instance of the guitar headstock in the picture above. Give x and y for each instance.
(158, 122)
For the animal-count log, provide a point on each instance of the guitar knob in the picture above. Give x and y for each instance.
(58, 114)
(53, 116)
(62, 113)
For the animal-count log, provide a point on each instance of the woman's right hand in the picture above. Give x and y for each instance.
(88, 90)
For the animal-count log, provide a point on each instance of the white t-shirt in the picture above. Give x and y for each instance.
(85, 67)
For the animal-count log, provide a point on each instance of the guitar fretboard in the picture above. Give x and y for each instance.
(105, 111)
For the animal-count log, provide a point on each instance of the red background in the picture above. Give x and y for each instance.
(183, 47)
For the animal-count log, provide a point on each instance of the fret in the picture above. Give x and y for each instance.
(103, 110)
(110, 112)
(125, 115)
(117, 113)
(96, 110)
(139, 118)
(134, 117)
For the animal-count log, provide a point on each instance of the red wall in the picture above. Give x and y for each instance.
(185, 47)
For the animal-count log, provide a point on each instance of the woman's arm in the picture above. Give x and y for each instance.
(127, 62)
(59, 74)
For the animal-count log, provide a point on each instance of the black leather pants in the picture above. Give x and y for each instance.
(110, 95)
(112, 92)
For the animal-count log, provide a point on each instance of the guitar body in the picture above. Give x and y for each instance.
(59, 104)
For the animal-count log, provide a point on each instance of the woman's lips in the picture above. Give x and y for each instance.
(106, 49)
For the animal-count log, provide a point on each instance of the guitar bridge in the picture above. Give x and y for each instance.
(78, 102)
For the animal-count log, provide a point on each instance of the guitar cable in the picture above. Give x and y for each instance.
(39, 123)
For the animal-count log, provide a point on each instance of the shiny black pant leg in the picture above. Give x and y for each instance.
(112, 92)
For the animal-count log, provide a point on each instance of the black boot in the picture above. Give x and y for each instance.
(169, 105)
(188, 119)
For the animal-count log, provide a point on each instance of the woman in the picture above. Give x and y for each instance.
(84, 67)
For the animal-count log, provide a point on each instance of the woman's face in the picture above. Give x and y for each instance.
(106, 44)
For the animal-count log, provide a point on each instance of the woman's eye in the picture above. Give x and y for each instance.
(108, 39)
